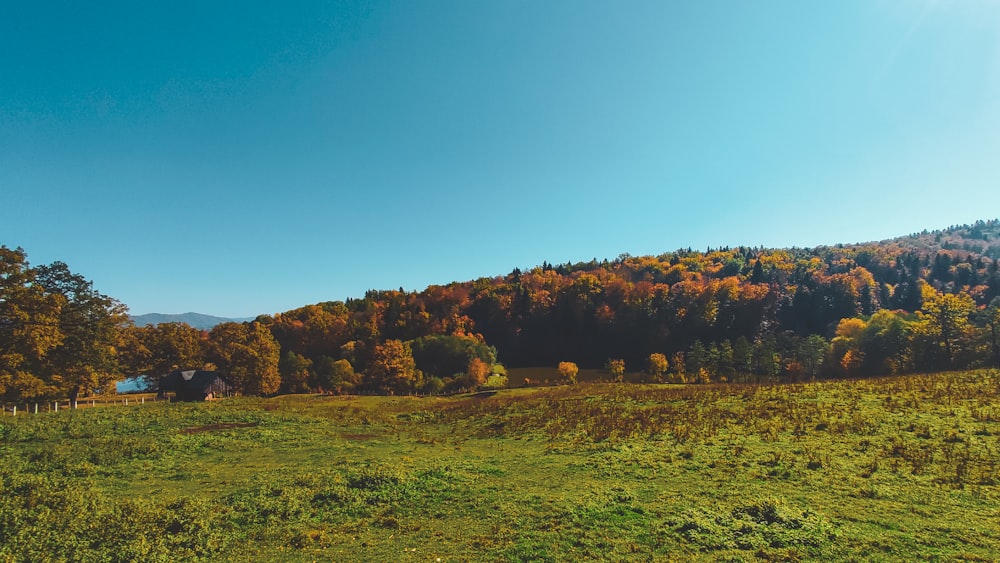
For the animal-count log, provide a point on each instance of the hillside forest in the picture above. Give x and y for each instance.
(925, 302)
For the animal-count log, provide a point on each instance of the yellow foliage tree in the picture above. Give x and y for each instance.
(568, 371)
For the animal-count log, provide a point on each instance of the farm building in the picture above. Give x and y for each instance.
(196, 385)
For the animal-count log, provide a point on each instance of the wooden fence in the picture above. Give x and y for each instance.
(35, 407)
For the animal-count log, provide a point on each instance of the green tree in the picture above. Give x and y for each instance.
(811, 352)
(742, 358)
(697, 358)
(990, 318)
(91, 324)
(336, 375)
(885, 343)
(766, 359)
(726, 368)
(445, 355)
(296, 373)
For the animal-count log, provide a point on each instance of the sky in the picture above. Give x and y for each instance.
(245, 158)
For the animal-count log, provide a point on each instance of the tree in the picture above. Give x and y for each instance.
(810, 353)
(29, 326)
(657, 365)
(680, 369)
(766, 359)
(616, 368)
(884, 344)
(156, 350)
(446, 355)
(946, 321)
(568, 372)
(249, 355)
(392, 369)
(296, 372)
(91, 324)
(726, 368)
(697, 358)
(336, 375)
(845, 346)
(477, 371)
(990, 317)
(742, 357)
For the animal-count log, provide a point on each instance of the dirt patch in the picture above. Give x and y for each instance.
(358, 437)
(217, 427)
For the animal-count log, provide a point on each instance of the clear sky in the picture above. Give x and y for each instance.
(236, 158)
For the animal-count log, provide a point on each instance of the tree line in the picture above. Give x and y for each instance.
(925, 302)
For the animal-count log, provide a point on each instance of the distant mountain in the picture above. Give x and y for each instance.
(196, 320)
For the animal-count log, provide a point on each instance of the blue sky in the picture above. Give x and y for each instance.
(236, 158)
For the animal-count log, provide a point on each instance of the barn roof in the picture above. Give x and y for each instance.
(191, 380)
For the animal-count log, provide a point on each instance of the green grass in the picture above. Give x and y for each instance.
(894, 469)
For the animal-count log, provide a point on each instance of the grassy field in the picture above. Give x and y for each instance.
(898, 469)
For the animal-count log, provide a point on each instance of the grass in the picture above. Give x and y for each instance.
(905, 468)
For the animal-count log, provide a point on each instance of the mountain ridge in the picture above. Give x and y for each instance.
(195, 320)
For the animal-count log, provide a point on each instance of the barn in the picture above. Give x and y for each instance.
(196, 385)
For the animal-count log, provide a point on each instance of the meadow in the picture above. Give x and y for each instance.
(904, 468)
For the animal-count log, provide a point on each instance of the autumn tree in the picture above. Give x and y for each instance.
(616, 368)
(568, 372)
(946, 321)
(249, 355)
(29, 326)
(846, 345)
(157, 350)
(657, 365)
(392, 369)
(477, 372)
(680, 369)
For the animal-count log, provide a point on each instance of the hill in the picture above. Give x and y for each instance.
(756, 301)
(195, 320)
(928, 301)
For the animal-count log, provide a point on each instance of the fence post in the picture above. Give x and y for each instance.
(14, 411)
(36, 408)
(56, 408)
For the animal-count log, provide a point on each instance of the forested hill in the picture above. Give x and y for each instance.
(925, 302)
(918, 302)
(981, 238)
